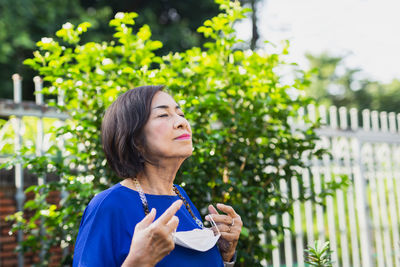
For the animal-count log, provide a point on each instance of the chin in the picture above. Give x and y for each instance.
(186, 150)
(178, 153)
(188, 153)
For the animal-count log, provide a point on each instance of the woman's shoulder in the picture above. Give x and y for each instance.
(110, 194)
(113, 198)
(106, 229)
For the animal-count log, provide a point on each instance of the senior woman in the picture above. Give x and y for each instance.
(147, 220)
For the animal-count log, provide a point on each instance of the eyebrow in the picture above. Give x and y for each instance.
(167, 107)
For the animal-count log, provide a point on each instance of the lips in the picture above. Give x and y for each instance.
(183, 136)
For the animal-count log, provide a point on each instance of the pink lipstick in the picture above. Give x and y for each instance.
(183, 137)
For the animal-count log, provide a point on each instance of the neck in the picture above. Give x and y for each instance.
(158, 180)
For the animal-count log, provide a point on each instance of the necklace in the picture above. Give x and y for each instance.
(145, 204)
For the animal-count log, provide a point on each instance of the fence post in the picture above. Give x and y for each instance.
(64, 194)
(361, 189)
(39, 137)
(38, 82)
(346, 168)
(342, 223)
(19, 175)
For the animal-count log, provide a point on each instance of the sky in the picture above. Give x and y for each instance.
(367, 32)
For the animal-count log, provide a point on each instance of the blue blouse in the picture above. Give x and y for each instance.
(108, 223)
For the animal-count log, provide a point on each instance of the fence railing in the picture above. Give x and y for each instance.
(360, 221)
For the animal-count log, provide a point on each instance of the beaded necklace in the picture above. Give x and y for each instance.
(146, 205)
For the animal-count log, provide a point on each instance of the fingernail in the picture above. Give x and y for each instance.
(152, 210)
(207, 217)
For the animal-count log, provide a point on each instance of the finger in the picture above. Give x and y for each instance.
(220, 218)
(221, 228)
(173, 224)
(212, 210)
(238, 221)
(169, 213)
(227, 209)
(147, 220)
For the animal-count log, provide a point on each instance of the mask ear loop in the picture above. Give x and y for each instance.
(214, 224)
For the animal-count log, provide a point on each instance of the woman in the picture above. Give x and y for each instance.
(139, 221)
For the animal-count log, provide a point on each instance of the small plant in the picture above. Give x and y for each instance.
(319, 255)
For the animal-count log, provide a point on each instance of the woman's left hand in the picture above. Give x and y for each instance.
(229, 225)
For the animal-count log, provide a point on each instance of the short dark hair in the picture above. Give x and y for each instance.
(121, 130)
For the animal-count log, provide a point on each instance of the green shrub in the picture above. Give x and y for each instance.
(236, 103)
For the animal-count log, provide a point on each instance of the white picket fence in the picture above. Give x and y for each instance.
(361, 221)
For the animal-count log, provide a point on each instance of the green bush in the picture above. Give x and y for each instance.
(236, 103)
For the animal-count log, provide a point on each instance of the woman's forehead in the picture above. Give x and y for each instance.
(163, 99)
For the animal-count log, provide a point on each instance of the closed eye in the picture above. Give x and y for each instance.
(166, 115)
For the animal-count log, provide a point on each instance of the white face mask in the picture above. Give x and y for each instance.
(197, 239)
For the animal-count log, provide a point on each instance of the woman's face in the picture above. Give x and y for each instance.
(167, 132)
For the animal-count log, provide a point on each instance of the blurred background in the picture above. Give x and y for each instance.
(352, 43)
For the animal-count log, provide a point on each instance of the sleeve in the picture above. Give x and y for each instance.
(97, 242)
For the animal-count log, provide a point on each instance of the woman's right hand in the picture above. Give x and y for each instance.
(152, 241)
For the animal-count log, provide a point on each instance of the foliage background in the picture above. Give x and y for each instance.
(235, 100)
(174, 23)
(24, 22)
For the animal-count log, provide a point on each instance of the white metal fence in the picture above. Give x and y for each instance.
(18, 109)
(360, 221)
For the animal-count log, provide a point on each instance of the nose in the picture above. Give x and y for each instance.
(181, 122)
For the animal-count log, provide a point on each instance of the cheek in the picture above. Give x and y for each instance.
(159, 132)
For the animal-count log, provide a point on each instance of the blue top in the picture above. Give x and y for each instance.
(108, 223)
